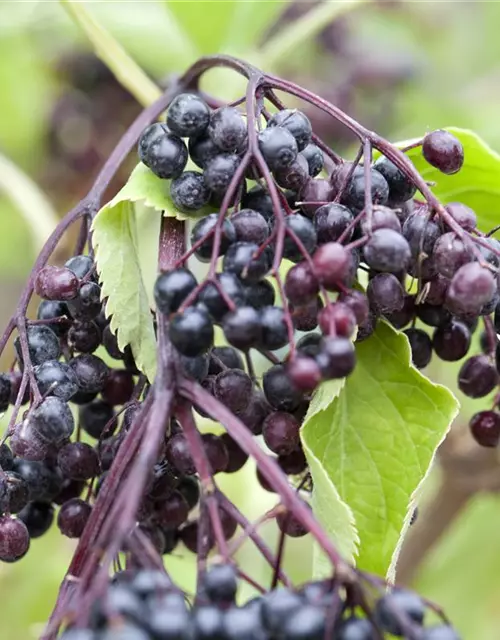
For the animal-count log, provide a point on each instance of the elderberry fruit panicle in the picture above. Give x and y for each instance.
(287, 257)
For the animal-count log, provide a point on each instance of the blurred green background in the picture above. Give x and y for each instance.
(401, 68)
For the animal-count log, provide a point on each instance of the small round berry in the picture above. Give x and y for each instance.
(315, 159)
(219, 172)
(385, 293)
(72, 517)
(451, 341)
(56, 283)
(278, 146)
(207, 225)
(294, 176)
(463, 215)
(215, 302)
(191, 332)
(188, 115)
(246, 261)
(304, 229)
(485, 428)
(336, 358)
(189, 192)
(202, 150)
(242, 328)
(331, 221)
(227, 129)
(444, 151)
(281, 432)
(279, 391)
(301, 285)
(172, 288)
(164, 153)
(304, 373)
(387, 251)
(43, 345)
(331, 264)
(14, 539)
(477, 377)
(421, 347)
(296, 122)
(354, 194)
(250, 226)
(52, 421)
(401, 188)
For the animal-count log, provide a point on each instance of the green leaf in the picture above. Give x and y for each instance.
(126, 70)
(115, 241)
(376, 441)
(223, 25)
(332, 512)
(143, 186)
(477, 184)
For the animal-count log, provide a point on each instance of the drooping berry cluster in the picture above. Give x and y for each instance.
(304, 253)
(145, 605)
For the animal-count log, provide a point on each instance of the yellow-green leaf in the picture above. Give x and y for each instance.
(375, 443)
(115, 241)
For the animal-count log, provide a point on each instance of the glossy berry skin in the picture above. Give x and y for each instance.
(5, 391)
(337, 319)
(188, 115)
(382, 218)
(172, 288)
(336, 358)
(87, 304)
(281, 432)
(91, 372)
(294, 176)
(84, 336)
(259, 200)
(314, 191)
(227, 129)
(54, 310)
(304, 373)
(315, 159)
(250, 226)
(233, 388)
(279, 391)
(244, 260)
(477, 377)
(211, 297)
(72, 517)
(278, 146)
(219, 172)
(304, 230)
(52, 421)
(164, 153)
(387, 251)
(38, 518)
(14, 492)
(405, 602)
(356, 629)
(259, 294)
(421, 234)
(222, 358)
(56, 283)
(14, 539)
(296, 122)
(331, 221)
(202, 149)
(56, 378)
(207, 225)
(450, 254)
(78, 461)
(440, 632)
(444, 151)
(179, 456)
(354, 194)
(400, 188)
(94, 417)
(385, 293)
(237, 457)
(191, 332)
(301, 285)
(463, 215)
(451, 341)
(189, 192)
(277, 606)
(470, 289)
(331, 264)
(220, 584)
(43, 345)
(421, 347)
(274, 332)
(485, 428)
(242, 328)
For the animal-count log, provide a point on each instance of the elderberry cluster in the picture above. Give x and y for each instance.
(146, 605)
(46, 463)
(330, 236)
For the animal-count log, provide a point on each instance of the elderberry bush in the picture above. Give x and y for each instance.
(286, 251)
